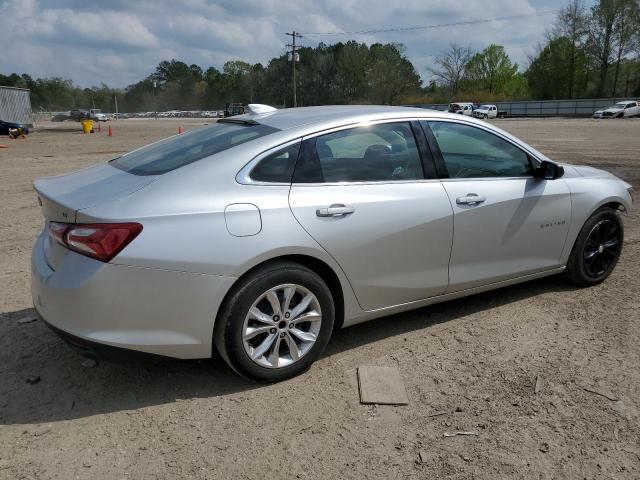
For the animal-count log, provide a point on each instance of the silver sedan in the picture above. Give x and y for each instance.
(261, 234)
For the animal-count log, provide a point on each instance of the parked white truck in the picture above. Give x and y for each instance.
(489, 111)
(462, 108)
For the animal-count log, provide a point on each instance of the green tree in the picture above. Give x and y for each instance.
(491, 69)
(391, 75)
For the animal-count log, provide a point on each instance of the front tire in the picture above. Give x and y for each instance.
(276, 322)
(597, 249)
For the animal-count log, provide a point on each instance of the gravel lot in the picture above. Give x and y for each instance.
(470, 364)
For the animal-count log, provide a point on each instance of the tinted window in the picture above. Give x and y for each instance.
(175, 152)
(470, 152)
(277, 167)
(384, 152)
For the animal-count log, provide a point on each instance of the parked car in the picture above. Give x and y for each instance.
(98, 116)
(260, 234)
(626, 108)
(461, 108)
(13, 129)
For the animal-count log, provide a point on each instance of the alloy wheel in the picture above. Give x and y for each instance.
(602, 248)
(281, 326)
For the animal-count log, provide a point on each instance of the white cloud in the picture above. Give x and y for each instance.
(121, 41)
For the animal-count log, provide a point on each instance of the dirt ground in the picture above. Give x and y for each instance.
(469, 365)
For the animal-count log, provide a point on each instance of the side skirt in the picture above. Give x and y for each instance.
(382, 312)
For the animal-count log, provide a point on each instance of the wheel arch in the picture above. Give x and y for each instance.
(316, 265)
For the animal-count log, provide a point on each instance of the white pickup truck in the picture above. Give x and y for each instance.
(489, 111)
(461, 108)
(626, 108)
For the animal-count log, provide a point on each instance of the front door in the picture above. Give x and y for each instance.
(361, 193)
(506, 222)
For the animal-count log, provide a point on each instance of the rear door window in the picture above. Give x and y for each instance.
(377, 153)
(180, 150)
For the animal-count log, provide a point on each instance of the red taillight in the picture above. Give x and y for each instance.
(101, 241)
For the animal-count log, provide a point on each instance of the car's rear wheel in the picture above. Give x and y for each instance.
(597, 249)
(276, 322)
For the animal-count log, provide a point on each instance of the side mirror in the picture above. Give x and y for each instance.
(548, 171)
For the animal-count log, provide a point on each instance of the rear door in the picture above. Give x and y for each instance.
(363, 195)
(506, 222)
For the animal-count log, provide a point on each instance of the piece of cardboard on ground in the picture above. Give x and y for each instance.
(381, 385)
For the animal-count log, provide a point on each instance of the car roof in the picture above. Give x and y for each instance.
(288, 118)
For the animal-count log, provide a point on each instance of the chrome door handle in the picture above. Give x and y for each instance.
(335, 210)
(470, 199)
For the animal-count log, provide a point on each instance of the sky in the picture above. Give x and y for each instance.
(119, 42)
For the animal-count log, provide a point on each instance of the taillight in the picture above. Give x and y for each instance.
(101, 241)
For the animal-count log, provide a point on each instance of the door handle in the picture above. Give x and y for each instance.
(470, 199)
(335, 210)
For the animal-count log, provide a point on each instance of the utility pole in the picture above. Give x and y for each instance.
(295, 57)
(153, 97)
(115, 98)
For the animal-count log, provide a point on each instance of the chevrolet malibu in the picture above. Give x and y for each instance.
(262, 233)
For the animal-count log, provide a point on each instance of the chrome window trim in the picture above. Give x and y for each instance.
(487, 179)
(378, 182)
(360, 125)
(243, 177)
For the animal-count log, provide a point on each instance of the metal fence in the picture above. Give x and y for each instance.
(15, 105)
(544, 108)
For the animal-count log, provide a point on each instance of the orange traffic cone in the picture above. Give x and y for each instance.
(179, 130)
(99, 128)
(110, 132)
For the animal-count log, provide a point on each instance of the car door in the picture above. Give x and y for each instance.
(506, 222)
(363, 195)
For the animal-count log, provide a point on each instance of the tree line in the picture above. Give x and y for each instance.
(586, 53)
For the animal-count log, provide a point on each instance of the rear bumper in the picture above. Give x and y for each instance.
(95, 350)
(146, 310)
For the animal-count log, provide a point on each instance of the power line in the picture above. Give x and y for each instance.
(427, 27)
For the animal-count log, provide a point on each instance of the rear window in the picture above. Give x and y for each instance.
(178, 151)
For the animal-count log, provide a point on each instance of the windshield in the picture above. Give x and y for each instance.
(175, 152)
(484, 107)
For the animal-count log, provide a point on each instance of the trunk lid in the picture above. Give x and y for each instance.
(62, 196)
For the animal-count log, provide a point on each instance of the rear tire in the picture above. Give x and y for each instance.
(597, 249)
(276, 322)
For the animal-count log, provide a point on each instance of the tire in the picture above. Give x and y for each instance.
(595, 254)
(484, 116)
(248, 310)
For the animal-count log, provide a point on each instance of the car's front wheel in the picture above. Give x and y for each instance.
(276, 322)
(597, 249)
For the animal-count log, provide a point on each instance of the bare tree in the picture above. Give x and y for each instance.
(572, 24)
(600, 38)
(451, 67)
(625, 34)
(612, 27)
